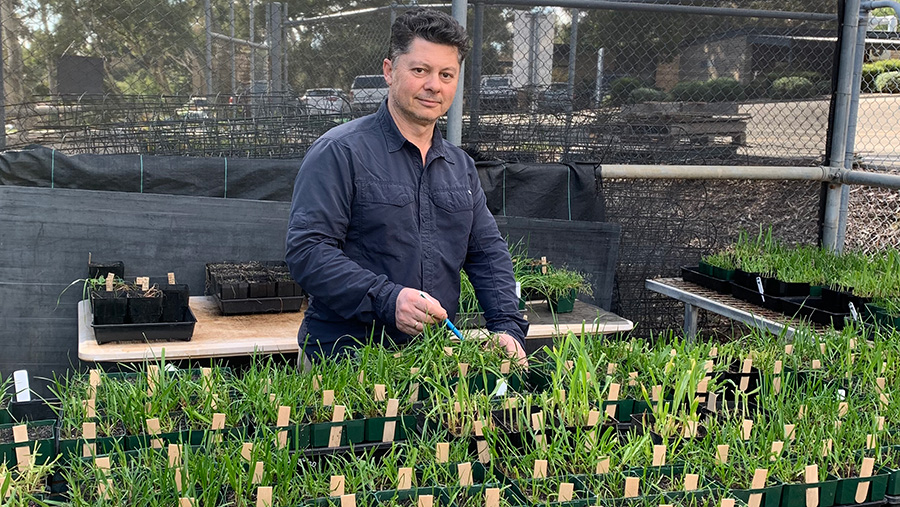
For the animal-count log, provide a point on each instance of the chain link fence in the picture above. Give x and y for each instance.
(542, 84)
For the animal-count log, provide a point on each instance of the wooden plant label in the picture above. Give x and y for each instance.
(23, 453)
(336, 487)
(885, 399)
(745, 383)
(442, 453)
(317, 382)
(89, 433)
(690, 429)
(759, 482)
(466, 477)
(827, 445)
(611, 410)
(632, 378)
(328, 397)
(822, 347)
(284, 418)
(478, 428)
(258, 469)
(811, 476)
(186, 501)
(747, 365)
(843, 408)
(711, 400)
(540, 469)
(380, 392)
(484, 452)
(264, 496)
(144, 282)
(801, 412)
(659, 455)
(632, 486)
(714, 352)
(655, 392)
(334, 436)
(247, 451)
(779, 366)
(110, 278)
(405, 478)
(862, 489)
(709, 365)
(594, 417)
(611, 368)
(789, 349)
(448, 351)
(104, 488)
(566, 491)
(727, 502)
(153, 430)
(152, 378)
(870, 441)
(776, 384)
(93, 383)
(180, 479)
(562, 396)
(722, 453)
(746, 429)
(171, 278)
(463, 369)
(789, 432)
(816, 364)
(505, 366)
(775, 452)
(691, 481)
(879, 383)
(348, 500)
(703, 385)
(543, 265)
(390, 427)
(425, 501)
(837, 424)
(20, 433)
(614, 389)
(602, 466)
(492, 497)
(879, 422)
(90, 408)
(174, 453)
(218, 422)
(537, 421)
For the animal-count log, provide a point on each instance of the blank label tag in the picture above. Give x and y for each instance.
(264, 496)
(862, 489)
(484, 452)
(691, 481)
(632, 486)
(777, 446)
(247, 451)
(466, 478)
(348, 501)
(603, 466)
(404, 478)
(109, 282)
(380, 393)
(659, 455)
(614, 391)
(328, 397)
(594, 417)
(566, 491)
(171, 277)
(23, 458)
(258, 472)
(334, 436)
(722, 453)
(492, 497)
(174, 452)
(537, 421)
(789, 432)
(727, 502)
(442, 453)
(20, 433)
(540, 469)
(218, 421)
(759, 482)
(811, 476)
(425, 501)
(778, 367)
(747, 428)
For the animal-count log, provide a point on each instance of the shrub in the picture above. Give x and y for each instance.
(888, 82)
(723, 89)
(793, 87)
(687, 91)
(620, 89)
(641, 95)
(870, 72)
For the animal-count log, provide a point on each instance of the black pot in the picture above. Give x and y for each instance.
(109, 307)
(143, 310)
(175, 302)
(98, 269)
(233, 290)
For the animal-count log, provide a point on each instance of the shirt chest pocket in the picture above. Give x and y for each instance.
(374, 194)
(453, 201)
(383, 217)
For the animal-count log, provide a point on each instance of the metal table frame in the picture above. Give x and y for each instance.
(695, 297)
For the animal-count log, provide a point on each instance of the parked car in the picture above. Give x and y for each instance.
(367, 92)
(554, 98)
(196, 108)
(326, 101)
(498, 93)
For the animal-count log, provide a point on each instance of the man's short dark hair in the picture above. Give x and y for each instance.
(430, 25)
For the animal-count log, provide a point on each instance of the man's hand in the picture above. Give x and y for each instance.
(512, 347)
(415, 309)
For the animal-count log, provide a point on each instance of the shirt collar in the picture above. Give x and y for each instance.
(395, 139)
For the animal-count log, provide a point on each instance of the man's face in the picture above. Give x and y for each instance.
(422, 82)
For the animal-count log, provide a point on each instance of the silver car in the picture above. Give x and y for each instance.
(325, 101)
(367, 92)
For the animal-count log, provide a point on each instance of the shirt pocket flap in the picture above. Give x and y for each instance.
(385, 193)
(454, 200)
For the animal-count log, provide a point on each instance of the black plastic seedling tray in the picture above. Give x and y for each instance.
(259, 305)
(155, 331)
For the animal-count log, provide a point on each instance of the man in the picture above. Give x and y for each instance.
(385, 212)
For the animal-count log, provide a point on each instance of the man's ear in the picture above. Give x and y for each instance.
(386, 67)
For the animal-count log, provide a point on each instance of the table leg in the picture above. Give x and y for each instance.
(690, 321)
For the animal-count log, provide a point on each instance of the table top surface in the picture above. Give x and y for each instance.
(217, 335)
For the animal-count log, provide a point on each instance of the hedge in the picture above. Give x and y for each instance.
(888, 82)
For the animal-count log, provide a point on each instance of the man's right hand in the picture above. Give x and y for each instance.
(415, 309)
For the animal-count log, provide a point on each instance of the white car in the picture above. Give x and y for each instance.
(367, 93)
(326, 101)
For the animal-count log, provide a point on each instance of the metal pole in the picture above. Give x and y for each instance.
(477, 55)
(454, 115)
(2, 89)
(252, 49)
(678, 9)
(570, 82)
(598, 87)
(883, 180)
(282, 31)
(209, 62)
(840, 123)
(233, 62)
(853, 113)
(714, 172)
(273, 36)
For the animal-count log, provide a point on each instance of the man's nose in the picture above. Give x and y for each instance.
(431, 82)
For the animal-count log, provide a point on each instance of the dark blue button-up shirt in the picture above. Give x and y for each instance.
(367, 219)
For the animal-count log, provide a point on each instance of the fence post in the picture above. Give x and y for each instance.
(833, 198)
(273, 40)
(2, 89)
(207, 8)
(475, 88)
(454, 115)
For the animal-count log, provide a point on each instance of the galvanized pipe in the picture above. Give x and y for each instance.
(841, 120)
(678, 9)
(257, 45)
(209, 63)
(883, 180)
(475, 78)
(454, 115)
(717, 172)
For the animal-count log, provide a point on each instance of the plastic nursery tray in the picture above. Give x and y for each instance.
(693, 275)
(810, 308)
(154, 331)
(259, 305)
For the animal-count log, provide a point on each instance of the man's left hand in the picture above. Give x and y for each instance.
(512, 347)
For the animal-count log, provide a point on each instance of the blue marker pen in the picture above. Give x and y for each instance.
(446, 322)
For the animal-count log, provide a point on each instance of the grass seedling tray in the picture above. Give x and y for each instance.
(693, 275)
(152, 331)
(259, 305)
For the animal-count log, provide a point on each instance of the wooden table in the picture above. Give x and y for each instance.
(695, 297)
(216, 335)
